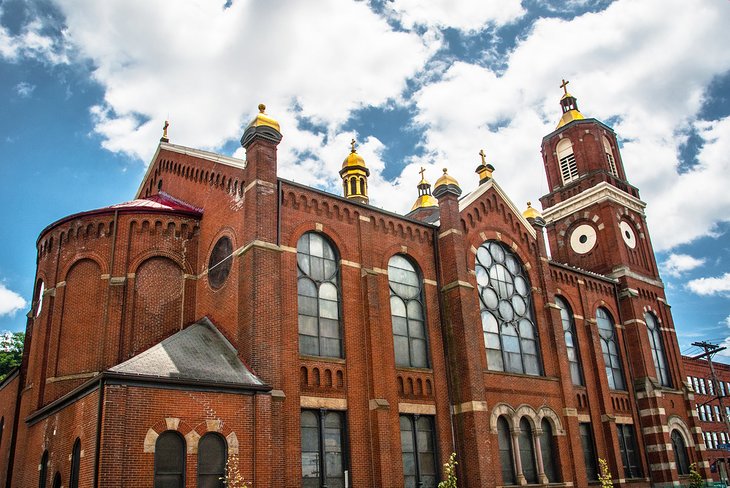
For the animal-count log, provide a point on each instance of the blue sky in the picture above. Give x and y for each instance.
(86, 86)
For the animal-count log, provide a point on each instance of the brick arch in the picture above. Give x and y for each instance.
(82, 256)
(676, 422)
(168, 423)
(140, 259)
(549, 414)
(528, 412)
(512, 245)
(396, 249)
(329, 233)
(564, 297)
(502, 410)
(601, 303)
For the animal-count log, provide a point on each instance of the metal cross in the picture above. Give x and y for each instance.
(564, 86)
(423, 170)
(484, 156)
(352, 143)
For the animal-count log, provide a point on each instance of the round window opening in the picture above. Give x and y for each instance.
(627, 234)
(219, 265)
(583, 239)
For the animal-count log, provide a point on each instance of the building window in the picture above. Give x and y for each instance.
(220, 262)
(710, 386)
(717, 413)
(527, 451)
(406, 311)
(680, 452)
(323, 454)
(318, 290)
(609, 346)
(703, 389)
(57, 480)
(75, 464)
(571, 341)
(629, 452)
(170, 460)
(657, 350)
(547, 446)
(40, 290)
(589, 451)
(566, 158)
(419, 451)
(510, 335)
(43, 470)
(609, 157)
(506, 460)
(212, 455)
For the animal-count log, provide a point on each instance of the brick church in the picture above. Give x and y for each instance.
(313, 340)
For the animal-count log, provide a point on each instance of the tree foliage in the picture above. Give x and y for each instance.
(11, 352)
(605, 475)
(449, 473)
(695, 478)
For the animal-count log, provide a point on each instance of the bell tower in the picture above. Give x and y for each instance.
(595, 218)
(354, 175)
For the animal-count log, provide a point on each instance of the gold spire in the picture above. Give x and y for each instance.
(262, 119)
(569, 104)
(164, 137)
(530, 212)
(425, 199)
(484, 170)
(446, 179)
(354, 175)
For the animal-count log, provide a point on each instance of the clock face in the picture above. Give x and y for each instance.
(583, 238)
(628, 234)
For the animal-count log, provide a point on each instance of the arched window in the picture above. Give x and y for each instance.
(406, 311)
(547, 446)
(40, 290)
(504, 440)
(609, 157)
(170, 460)
(510, 335)
(571, 341)
(318, 290)
(657, 349)
(680, 452)
(609, 346)
(212, 455)
(57, 480)
(566, 158)
(527, 451)
(73, 480)
(43, 470)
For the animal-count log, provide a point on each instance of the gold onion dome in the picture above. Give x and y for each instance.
(531, 212)
(264, 120)
(569, 104)
(425, 199)
(445, 180)
(353, 159)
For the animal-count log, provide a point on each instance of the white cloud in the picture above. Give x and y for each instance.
(24, 89)
(727, 321)
(463, 15)
(677, 264)
(32, 43)
(718, 285)
(10, 301)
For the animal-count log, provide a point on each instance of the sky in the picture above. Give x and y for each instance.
(87, 85)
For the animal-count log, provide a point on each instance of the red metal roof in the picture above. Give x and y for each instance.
(160, 201)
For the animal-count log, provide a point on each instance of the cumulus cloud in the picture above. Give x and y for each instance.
(678, 264)
(33, 42)
(466, 15)
(717, 285)
(24, 89)
(10, 301)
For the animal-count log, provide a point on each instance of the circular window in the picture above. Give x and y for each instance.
(219, 264)
(583, 238)
(628, 234)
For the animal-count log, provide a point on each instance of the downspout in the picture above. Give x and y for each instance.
(97, 449)
(278, 211)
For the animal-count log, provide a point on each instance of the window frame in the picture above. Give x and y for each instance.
(73, 480)
(221, 473)
(588, 446)
(658, 352)
(567, 164)
(506, 452)
(614, 367)
(415, 420)
(548, 450)
(321, 418)
(43, 471)
(629, 449)
(528, 457)
(182, 452)
(567, 319)
(419, 301)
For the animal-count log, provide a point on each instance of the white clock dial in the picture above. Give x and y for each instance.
(583, 238)
(628, 234)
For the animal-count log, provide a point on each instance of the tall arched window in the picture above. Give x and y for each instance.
(571, 341)
(504, 440)
(510, 335)
(566, 158)
(609, 346)
(406, 311)
(547, 446)
(609, 157)
(318, 290)
(680, 452)
(170, 460)
(57, 480)
(212, 455)
(43, 470)
(657, 350)
(527, 451)
(73, 479)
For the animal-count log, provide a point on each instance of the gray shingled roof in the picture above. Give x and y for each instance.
(199, 352)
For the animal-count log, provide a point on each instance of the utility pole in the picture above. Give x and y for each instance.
(711, 350)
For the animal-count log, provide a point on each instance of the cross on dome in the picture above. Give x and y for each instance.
(564, 86)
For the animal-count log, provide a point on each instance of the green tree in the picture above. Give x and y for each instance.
(450, 473)
(11, 351)
(605, 475)
(695, 478)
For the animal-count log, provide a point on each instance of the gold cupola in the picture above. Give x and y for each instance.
(484, 170)
(354, 175)
(264, 120)
(569, 104)
(446, 184)
(531, 212)
(425, 199)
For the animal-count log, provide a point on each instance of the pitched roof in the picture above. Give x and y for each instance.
(197, 353)
(159, 201)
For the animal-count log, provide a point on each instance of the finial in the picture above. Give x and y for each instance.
(484, 156)
(352, 144)
(262, 107)
(164, 132)
(423, 170)
(564, 86)
(445, 170)
(531, 213)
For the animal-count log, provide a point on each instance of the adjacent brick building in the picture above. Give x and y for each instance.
(315, 340)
